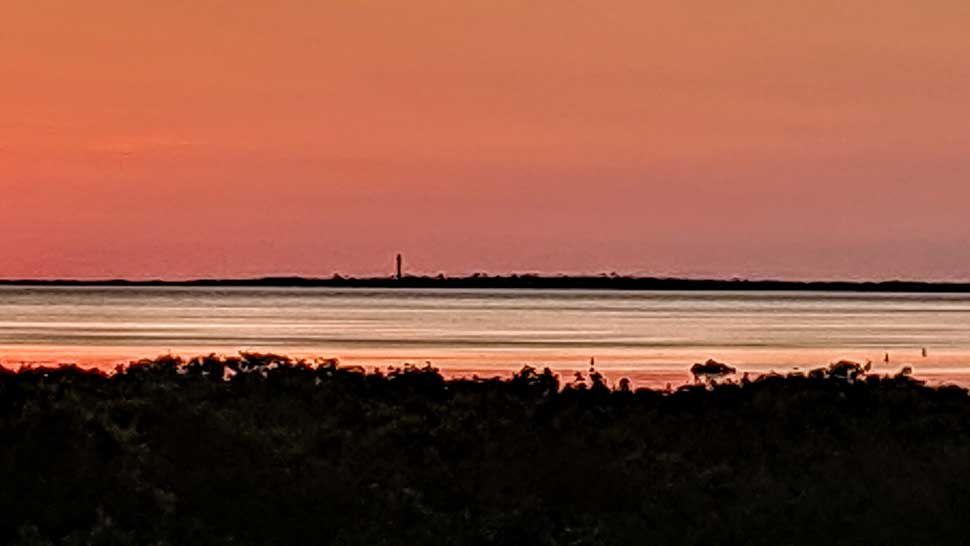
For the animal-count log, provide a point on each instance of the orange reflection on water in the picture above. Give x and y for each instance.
(644, 368)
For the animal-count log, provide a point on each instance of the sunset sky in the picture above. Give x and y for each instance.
(765, 138)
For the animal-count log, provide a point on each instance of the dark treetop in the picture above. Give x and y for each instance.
(263, 450)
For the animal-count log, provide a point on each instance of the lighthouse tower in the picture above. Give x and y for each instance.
(400, 262)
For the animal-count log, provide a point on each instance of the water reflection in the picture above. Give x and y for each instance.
(648, 335)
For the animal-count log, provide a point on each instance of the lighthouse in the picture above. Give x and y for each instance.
(399, 260)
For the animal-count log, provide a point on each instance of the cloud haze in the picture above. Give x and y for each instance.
(765, 139)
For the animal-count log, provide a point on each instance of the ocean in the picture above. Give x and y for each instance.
(651, 337)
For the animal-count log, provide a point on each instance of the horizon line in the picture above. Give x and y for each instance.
(516, 281)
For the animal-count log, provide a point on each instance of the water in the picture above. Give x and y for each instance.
(652, 337)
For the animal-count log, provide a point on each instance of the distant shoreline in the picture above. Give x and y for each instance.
(525, 281)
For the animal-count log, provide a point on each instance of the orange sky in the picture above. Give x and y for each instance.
(235, 138)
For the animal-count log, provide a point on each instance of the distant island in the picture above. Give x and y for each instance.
(525, 281)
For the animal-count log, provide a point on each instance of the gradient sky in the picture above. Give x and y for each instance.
(766, 138)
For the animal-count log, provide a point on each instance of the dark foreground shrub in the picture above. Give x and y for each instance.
(263, 450)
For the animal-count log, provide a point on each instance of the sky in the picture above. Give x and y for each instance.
(760, 138)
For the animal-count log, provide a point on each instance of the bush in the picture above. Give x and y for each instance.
(263, 449)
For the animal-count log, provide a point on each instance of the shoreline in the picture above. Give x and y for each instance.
(521, 282)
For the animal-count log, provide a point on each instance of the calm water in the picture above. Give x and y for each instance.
(652, 337)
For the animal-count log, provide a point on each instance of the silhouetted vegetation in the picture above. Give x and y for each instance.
(260, 450)
(529, 281)
(711, 370)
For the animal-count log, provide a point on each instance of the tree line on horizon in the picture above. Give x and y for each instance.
(529, 280)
